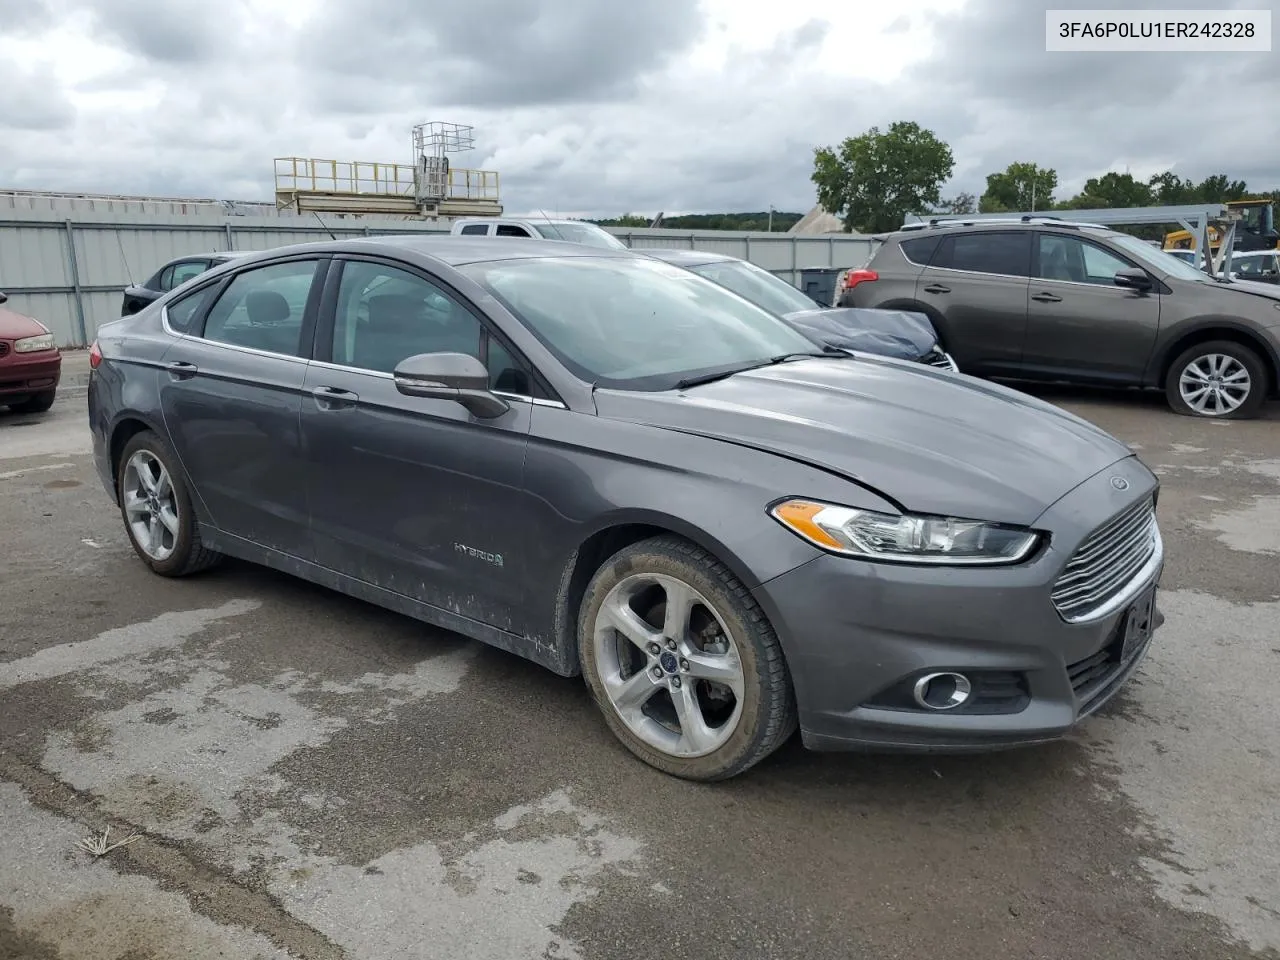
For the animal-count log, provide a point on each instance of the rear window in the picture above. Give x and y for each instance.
(920, 250)
(1007, 253)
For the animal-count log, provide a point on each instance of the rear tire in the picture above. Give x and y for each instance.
(1218, 380)
(651, 674)
(156, 508)
(36, 404)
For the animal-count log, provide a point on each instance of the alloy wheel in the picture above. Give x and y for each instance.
(1214, 384)
(150, 507)
(669, 665)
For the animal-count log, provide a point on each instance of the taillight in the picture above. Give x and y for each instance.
(855, 277)
(95, 356)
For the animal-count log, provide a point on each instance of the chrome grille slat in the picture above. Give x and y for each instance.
(1106, 561)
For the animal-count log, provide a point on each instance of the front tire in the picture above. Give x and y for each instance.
(1220, 380)
(683, 663)
(156, 508)
(39, 403)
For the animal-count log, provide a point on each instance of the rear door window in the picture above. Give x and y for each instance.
(474, 230)
(1006, 253)
(511, 230)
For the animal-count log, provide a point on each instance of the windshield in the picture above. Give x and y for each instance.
(756, 284)
(635, 323)
(1158, 259)
(587, 233)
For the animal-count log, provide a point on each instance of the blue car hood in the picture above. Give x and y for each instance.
(901, 334)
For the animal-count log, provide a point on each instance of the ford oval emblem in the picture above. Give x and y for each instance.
(1120, 483)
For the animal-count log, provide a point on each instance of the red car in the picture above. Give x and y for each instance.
(30, 364)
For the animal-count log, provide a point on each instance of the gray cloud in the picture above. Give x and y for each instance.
(168, 32)
(32, 100)
(501, 53)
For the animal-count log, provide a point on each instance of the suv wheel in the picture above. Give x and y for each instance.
(1219, 379)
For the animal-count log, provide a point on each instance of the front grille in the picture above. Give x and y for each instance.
(1105, 564)
(4, 349)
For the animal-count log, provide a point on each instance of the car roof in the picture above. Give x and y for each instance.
(683, 258)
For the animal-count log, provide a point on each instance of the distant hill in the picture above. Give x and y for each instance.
(782, 221)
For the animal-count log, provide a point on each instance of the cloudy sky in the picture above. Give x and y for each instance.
(602, 106)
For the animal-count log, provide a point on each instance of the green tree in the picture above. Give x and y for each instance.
(1111, 190)
(874, 180)
(960, 204)
(1022, 187)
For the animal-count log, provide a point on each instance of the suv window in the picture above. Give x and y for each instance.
(511, 230)
(263, 308)
(474, 229)
(919, 250)
(1074, 260)
(1007, 253)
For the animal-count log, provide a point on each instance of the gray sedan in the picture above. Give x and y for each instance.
(621, 470)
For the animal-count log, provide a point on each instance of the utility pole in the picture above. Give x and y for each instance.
(771, 218)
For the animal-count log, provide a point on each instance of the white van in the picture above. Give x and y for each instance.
(574, 231)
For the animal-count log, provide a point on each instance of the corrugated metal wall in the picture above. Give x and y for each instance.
(71, 273)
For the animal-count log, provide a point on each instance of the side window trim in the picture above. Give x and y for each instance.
(322, 349)
(307, 332)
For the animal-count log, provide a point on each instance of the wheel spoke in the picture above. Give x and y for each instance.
(153, 536)
(169, 517)
(679, 610)
(145, 477)
(164, 489)
(722, 668)
(134, 502)
(630, 695)
(619, 615)
(695, 735)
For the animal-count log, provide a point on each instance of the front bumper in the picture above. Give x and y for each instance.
(25, 374)
(858, 634)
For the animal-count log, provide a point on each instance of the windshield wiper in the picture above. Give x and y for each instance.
(827, 351)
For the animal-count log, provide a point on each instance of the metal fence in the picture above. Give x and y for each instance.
(71, 272)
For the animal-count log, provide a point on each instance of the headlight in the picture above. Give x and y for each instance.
(31, 344)
(904, 538)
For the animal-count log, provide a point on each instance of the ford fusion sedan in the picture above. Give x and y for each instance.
(887, 333)
(621, 470)
(30, 362)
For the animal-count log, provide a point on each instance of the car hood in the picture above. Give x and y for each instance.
(930, 441)
(15, 326)
(889, 333)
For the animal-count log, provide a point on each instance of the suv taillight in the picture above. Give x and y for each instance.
(855, 277)
(95, 356)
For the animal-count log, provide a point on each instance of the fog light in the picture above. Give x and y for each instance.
(942, 691)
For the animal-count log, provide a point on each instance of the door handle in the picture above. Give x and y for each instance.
(334, 398)
(181, 370)
(1046, 297)
(936, 288)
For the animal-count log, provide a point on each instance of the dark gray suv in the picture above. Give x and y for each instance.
(1045, 299)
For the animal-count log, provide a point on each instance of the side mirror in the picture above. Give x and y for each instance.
(4, 297)
(450, 376)
(1134, 278)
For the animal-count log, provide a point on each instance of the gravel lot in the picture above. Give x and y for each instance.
(314, 778)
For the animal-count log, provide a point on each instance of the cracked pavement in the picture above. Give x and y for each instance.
(313, 777)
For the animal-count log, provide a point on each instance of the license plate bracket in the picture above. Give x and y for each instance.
(1139, 623)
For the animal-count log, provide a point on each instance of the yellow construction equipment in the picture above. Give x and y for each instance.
(1255, 229)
